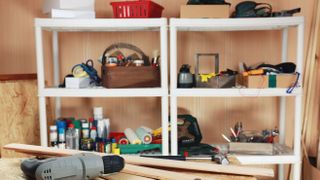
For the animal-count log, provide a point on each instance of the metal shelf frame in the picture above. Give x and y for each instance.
(244, 24)
(98, 25)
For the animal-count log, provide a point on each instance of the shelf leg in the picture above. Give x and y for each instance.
(173, 87)
(282, 114)
(56, 72)
(41, 85)
(43, 122)
(164, 125)
(298, 105)
(174, 128)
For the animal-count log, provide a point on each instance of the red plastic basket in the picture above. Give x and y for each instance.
(136, 9)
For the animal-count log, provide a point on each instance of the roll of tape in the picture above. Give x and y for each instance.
(78, 71)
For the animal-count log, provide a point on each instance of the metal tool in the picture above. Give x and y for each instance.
(80, 166)
(218, 158)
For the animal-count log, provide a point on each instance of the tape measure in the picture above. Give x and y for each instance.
(79, 72)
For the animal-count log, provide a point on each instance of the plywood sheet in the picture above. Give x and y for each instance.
(19, 114)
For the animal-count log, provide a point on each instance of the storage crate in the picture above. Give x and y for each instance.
(136, 9)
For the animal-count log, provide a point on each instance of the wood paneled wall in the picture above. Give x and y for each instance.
(215, 115)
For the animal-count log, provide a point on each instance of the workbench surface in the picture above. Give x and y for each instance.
(10, 170)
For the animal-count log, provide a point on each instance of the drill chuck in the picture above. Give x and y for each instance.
(80, 166)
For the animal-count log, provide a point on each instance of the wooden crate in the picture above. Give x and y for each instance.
(130, 77)
(251, 148)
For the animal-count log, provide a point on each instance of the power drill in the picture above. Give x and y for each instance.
(80, 166)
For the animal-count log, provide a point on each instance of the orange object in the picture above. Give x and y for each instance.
(253, 72)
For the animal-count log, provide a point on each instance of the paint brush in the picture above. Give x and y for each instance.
(225, 137)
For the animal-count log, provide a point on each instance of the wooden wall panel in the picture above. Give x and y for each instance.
(18, 56)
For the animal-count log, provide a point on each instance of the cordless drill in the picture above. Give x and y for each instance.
(80, 166)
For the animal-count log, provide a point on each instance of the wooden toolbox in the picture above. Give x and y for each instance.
(130, 77)
(251, 148)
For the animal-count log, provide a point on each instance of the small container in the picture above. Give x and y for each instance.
(108, 146)
(86, 144)
(53, 136)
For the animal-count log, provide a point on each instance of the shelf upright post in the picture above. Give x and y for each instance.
(56, 72)
(298, 105)
(164, 87)
(282, 112)
(173, 87)
(41, 85)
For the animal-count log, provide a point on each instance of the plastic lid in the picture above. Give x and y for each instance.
(93, 128)
(85, 125)
(77, 124)
(91, 119)
(61, 124)
(53, 127)
(113, 140)
(71, 125)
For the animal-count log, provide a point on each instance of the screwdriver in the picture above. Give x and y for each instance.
(218, 158)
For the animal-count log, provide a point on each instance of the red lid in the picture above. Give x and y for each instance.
(71, 126)
(93, 128)
(91, 119)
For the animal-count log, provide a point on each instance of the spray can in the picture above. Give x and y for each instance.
(70, 136)
(53, 136)
(61, 125)
(77, 134)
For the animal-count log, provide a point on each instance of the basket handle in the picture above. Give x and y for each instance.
(216, 61)
(144, 57)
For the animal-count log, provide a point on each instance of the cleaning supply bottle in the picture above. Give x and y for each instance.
(70, 137)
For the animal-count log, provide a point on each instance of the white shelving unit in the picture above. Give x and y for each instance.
(250, 24)
(98, 25)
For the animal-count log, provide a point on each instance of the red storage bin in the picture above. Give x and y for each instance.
(136, 9)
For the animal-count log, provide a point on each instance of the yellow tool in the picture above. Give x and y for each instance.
(253, 72)
(158, 131)
(206, 77)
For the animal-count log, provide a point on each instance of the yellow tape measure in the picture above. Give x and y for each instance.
(78, 72)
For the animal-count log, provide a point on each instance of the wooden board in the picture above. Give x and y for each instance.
(251, 148)
(205, 167)
(18, 114)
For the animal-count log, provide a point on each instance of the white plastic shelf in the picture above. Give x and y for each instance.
(110, 24)
(264, 159)
(235, 24)
(103, 92)
(234, 92)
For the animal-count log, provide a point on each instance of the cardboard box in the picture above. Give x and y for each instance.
(76, 83)
(205, 11)
(85, 5)
(251, 148)
(264, 81)
(254, 81)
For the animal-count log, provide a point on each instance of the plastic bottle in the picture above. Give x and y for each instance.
(85, 130)
(70, 137)
(93, 133)
(53, 136)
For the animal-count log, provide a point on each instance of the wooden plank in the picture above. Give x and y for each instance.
(198, 166)
(10, 77)
(204, 167)
(159, 174)
(124, 176)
